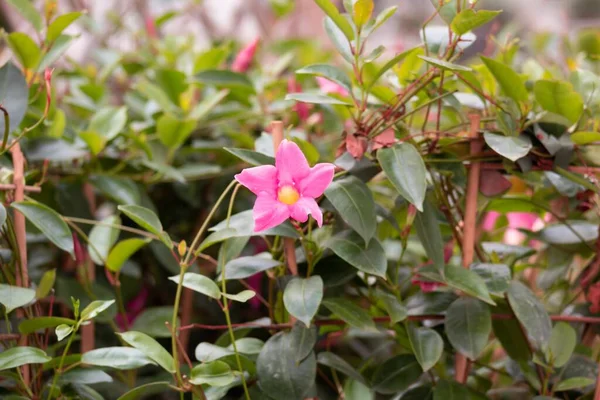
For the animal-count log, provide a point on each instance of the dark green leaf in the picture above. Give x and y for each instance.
(144, 390)
(22, 355)
(468, 282)
(450, 390)
(34, 324)
(468, 325)
(147, 220)
(14, 95)
(150, 348)
(395, 309)
(339, 364)
(214, 373)
(531, 314)
(428, 230)
(511, 147)
(87, 376)
(303, 340)
(427, 345)
(350, 313)
(573, 383)
(251, 157)
(116, 357)
(199, 283)
(495, 276)
(224, 78)
(122, 190)
(12, 297)
(302, 297)
(396, 374)
(152, 321)
(349, 246)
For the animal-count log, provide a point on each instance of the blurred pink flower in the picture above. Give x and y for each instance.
(134, 307)
(328, 86)
(302, 109)
(244, 58)
(287, 189)
(594, 298)
(516, 221)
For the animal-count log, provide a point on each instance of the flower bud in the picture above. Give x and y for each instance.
(244, 58)
(182, 248)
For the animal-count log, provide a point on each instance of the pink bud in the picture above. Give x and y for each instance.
(78, 250)
(150, 27)
(244, 58)
(328, 86)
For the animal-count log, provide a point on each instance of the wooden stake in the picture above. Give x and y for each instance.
(469, 227)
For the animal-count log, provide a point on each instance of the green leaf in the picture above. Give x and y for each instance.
(303, 340)
(61, 23)
(396, 374)
(242, 296)
(316, 98)
(445, 65)
(338, 39)
(156, 94)
(330, 9)
(46, 284)
(199, 283)
(116, 357)
(26, 50)
(94, 308)
(447, 9)
(88, 376)
(152, 321)
(102, 237)
(362, 11)
(224, 78)
(109, 121)
(496, 276)
(350, 313)
(62, 331)
(60, 46)
(145, 390)
(468, 282)
(354, 202)
(559, 97)
(390, 64)
(469, 19)
(309, 150)
(22, 355)
(12, 297)
(570, 233)
(302, 297)
(172, 82)
(563, 340)
(508, 79)
(583, 138)
(428, 230)
(450, 390)
(251, 157)
(334, 361)
(29, 12)
(150, 348)
(395, 309)
(349, 246)
(95, 142)
(383, 16)
(123, 252)
(330, 72)
(202, 109)
(531, 314)
(511, 147)
(244, 267)
(573, 383)
(35, 324)
(427, 345)
(511, 337)
(172, 131)
(145, 218)
(278, 372)
(468, 325)
(14, 95)
(405, 168)
(215, 373)
(354, 390)
(243, 224)
(48, 222)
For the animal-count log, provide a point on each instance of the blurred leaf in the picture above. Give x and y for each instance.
(334, 361)
(303, 340)
(563, 340)
(405, 168)
(49, 222)
(449, 390)
(202, 109)
(199, 283)
(224, 78)
(309, 150)
(62, 331)
(244, 267)
(60, 46)
(94, 308)
(61, 23)
(338, 38)
(116, 357)
(354, 202)
(315, 98)
(354, 390)
(446, 9)
(251, 157)
(560, 98)
(12, 297)
(46, 284)
(583, 138)
(95, 142)
(122, 190)
(102, 237)
(362, 11)
(172, 131)
(445, 65)
(350, 313)
(29, 12)
(214, 373)
(34, 324)
(343, 25)
(468, 282)
(144, 390)
(172, 82)
(508, 79)
(22, 355)
(390, 64)
(469, 19)
(396, 374)
(328, 71)
(243, 223)
(152, 321)
(156, 94)
(86, 376)
(109, 121)
(531, 313)
(25, 49)
(148, 220)
(573, 383)
(302, 297)
(511, 147)
(349, 246)
(395, 309)
(496, 276)
(150, 348)
(427, 345)
(428, 230)
(123, 252)
(468, 325)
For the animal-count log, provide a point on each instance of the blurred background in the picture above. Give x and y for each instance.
(114, 23)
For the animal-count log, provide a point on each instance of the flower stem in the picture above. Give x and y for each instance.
(61, 363)
(174, 324)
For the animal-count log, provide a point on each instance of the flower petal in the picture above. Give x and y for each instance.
(291, 164)
(268, 212)
(318, 179)
(305, 206)
(259, 179)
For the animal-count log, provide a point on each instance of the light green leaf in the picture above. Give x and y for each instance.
(49, 222)
(215, 373)
(22, 355)
(508, 79)
(251, 157)
(26, 50)
(511, 147)
(352, 314)
(244, 267)
(29, 12)
(87, 376)
(60, 46)
(109, 121)
(202, 109)
(28, 326)
(338, 39)
(14, 95)
(146, 218)
(199, 283)
(123, 252)
(224, 78)
(95, 308)
(116, 357)
(563, 340)
(12, 297)
(573, 383)
(330, 9)
(152, 321)
(150, 348)
(468, 325)
(302, 297)
(102, 237)
(62, 331)
(559, 97)
(46, 284)
(61, 23)
(349, 246)
(334, 361)
(330, 72)
(469, 19)
(445, 65)
(145, 390)
(242, 296)
(427, 345)
(362, 11)
(172, 131)
(583, 138)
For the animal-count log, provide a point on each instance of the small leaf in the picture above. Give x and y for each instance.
(150, 348)
(303, 340)
(350, 313)
(445, 65)
(396, 374)
(468, 325)
(508, 79)
(22, 355)
(349, 247)
(469, 19)
(61, 23)
(428, 230)
(316, 98)
(395, 309)
(405, 168)
(362, 11)
(390, 64)
(48, 222)
(244, 267)
(330, 9)
(215, 373)
(207, 105)
(26, 50)
(144, 218)
(29, 12)
(531, 314)
(62, 331)
(450, 390)
(354, 202)
(88, 376)
(94, 308)
(573, 383)
(34, 324)
(563, 340)
(427, 345)
(468, 282)
(46, 284)
(109, 121)
(330, 72)
(560, 98)
(224, 78)
(242, 296)
(116, 357)
(199, 283)
(383, 16)
(12, 297)
(173, 131)
(102, 237)
(511, 147)
(123, 252)
(302, 297)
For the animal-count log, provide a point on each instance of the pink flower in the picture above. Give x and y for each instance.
(244, 58)
(516, 221)
(287, 189)
(328, 86)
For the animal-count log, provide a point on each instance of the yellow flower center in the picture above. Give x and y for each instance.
(288, 195)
